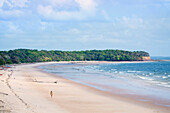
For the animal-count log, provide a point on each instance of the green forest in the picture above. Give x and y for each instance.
(29, 56)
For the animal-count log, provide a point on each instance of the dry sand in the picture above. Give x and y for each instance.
(26, 89)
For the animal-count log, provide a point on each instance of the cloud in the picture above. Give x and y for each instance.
(43, 25)
(2, 3)
(11, 13)
(10, 8)
(129, 22)
(60, 3)
(49, 13)
(74, 31)
(87, 5)
(105, 14)
(45, 10)
(14, 28)
(14, 3)
(85, 8)
(100, 38)
(19, 3)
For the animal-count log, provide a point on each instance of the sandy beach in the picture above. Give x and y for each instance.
(26, 89)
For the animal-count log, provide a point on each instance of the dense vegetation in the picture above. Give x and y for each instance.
(29, 56)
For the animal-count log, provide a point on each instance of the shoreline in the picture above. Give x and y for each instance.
(88, 62)
(32, 86)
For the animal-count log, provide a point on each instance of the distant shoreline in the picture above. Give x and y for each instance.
(91, 62)
(88, 62)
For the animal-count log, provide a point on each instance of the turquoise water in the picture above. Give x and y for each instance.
(153, 72)
(150, 80)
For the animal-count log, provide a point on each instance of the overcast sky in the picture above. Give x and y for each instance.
(86, 24)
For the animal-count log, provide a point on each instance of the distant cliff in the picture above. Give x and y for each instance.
(146, 58)
(28, 56)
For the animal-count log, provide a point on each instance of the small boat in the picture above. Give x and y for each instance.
(7, 66)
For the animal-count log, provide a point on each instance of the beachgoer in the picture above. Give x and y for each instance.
(51, 93)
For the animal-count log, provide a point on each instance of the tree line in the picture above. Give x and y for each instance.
(29, 56)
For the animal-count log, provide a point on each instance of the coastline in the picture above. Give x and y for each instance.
(28, 87)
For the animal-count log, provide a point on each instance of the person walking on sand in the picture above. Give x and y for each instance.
(51, 93)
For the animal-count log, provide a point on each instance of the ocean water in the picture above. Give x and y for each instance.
(150, 81)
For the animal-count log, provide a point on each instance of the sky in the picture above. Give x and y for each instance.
(134, 25)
